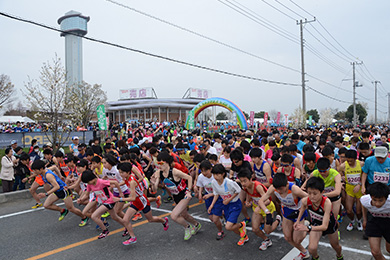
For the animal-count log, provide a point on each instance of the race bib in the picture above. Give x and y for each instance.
(171, 187)
(382, 177)
(353, 179)
(226, 196)
(328, 189)
(100, 196)
(208, 189)
(261, 179)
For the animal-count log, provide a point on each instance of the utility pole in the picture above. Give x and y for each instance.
(301, 23)
(388, 107)
(355, 84)
(376, 100)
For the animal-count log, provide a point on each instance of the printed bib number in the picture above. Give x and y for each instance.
(382, 177)
(353, 179)
(100, 196)
(208, 189)
(226, 196)
(261, 179)
(171, 187)
(328, 189)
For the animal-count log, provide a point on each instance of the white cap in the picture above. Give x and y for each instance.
(381, 151)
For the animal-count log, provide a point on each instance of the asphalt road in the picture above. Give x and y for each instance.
(37, 234)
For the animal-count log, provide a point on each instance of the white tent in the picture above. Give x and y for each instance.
(14, 119)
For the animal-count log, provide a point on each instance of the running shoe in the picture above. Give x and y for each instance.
(37, 205)
(220, 235)
(339, 234)
(84, 222)
(340, 219)
(125, 233)
(104, 234)
(247, 220)
(340, 257)
(223, 221)
(137, 216)
(130, 241)
(158, 201)
(301, 256)
(242, 229)
(105, 215)
(359, 225)
(279, 218)
(243, 240)
(187, 233)
(195, 229)
(167, 200)
(151, 191)
(350, 226)
(63, 214)
(166, 224)
(265, 244)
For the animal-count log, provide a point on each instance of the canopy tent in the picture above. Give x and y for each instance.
(14, 119)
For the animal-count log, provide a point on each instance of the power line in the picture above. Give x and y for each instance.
(301, 8)
(325, 95)
(201, 35)
(151, 54)
(280, 11)
(288, 8)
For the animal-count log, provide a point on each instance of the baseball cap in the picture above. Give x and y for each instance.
(75, 137)
(14, 142)
(381, 151)
(129, 140)
(202, 146)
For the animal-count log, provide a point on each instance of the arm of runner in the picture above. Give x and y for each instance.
(268, 173)
(179, 174)
(144, 156)
(83, 196)
(325, 220)
(116, 184)
(155, 180)
(265, 197)
(298, 225)
(74, 185)
(137, 173)
(364, 211)
(298, 192)
(303, 187)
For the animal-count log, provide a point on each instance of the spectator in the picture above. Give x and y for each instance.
(7, 170)
(21, 172)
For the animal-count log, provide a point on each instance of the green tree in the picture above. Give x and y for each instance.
(246, 114)
(260, 114)
(221, 116)
(315, 115)
(340, 115)
(361, 113)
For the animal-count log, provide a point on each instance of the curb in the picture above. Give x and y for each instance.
(15, 195)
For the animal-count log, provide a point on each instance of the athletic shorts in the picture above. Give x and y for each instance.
(336, 198)
(144, 210)
(292, 214)
(62, 194)
(218, 206)
(177, 198)
(332, 227)
(39, 180)
(349, 190)
(378, 227)
(232, 211)
(271, 207)
(109, 205)
(126, 194)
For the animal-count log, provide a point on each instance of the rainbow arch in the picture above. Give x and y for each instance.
(221, 102)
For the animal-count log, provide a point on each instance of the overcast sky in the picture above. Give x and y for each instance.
(360, 26)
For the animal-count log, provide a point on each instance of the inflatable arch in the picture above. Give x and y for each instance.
(221, 102)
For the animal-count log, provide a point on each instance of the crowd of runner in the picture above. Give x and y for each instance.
(304, 181)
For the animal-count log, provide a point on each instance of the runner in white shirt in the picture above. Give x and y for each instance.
(229, 191)
(376, 217)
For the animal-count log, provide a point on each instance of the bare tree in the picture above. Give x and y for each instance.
(7, 89)
(273, 115)
(47, 96)
(326, 116)
(298, 117)
(83, 101)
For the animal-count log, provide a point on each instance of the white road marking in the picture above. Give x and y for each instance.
(294, 252)
(28, 211)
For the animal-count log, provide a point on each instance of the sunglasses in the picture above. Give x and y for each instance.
(160, 163)
(284, 165)
(323, 170)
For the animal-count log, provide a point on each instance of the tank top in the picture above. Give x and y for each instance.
(260, 176)
(291, 177)
(317, 215)
(329, 180)
(175, 187)
(256, 196)
(289, 201)
(352, 175)
(58, 180)
(64, 168)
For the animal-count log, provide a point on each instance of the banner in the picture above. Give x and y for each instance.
(101, 116)
(252, 118)
(278, 119)
(266, 118)
(191, 120)
(310, 120)
(286, 119)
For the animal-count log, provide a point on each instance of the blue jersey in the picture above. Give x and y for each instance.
(58, 180)
(377, 172)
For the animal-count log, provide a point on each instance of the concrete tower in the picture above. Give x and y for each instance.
(73, 24)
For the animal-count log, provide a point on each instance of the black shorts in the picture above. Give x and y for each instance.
(109, 205)
(332, 227)
(378, 227)
(177, 198)
(62, 194)
(145, 210)
(336, 198)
